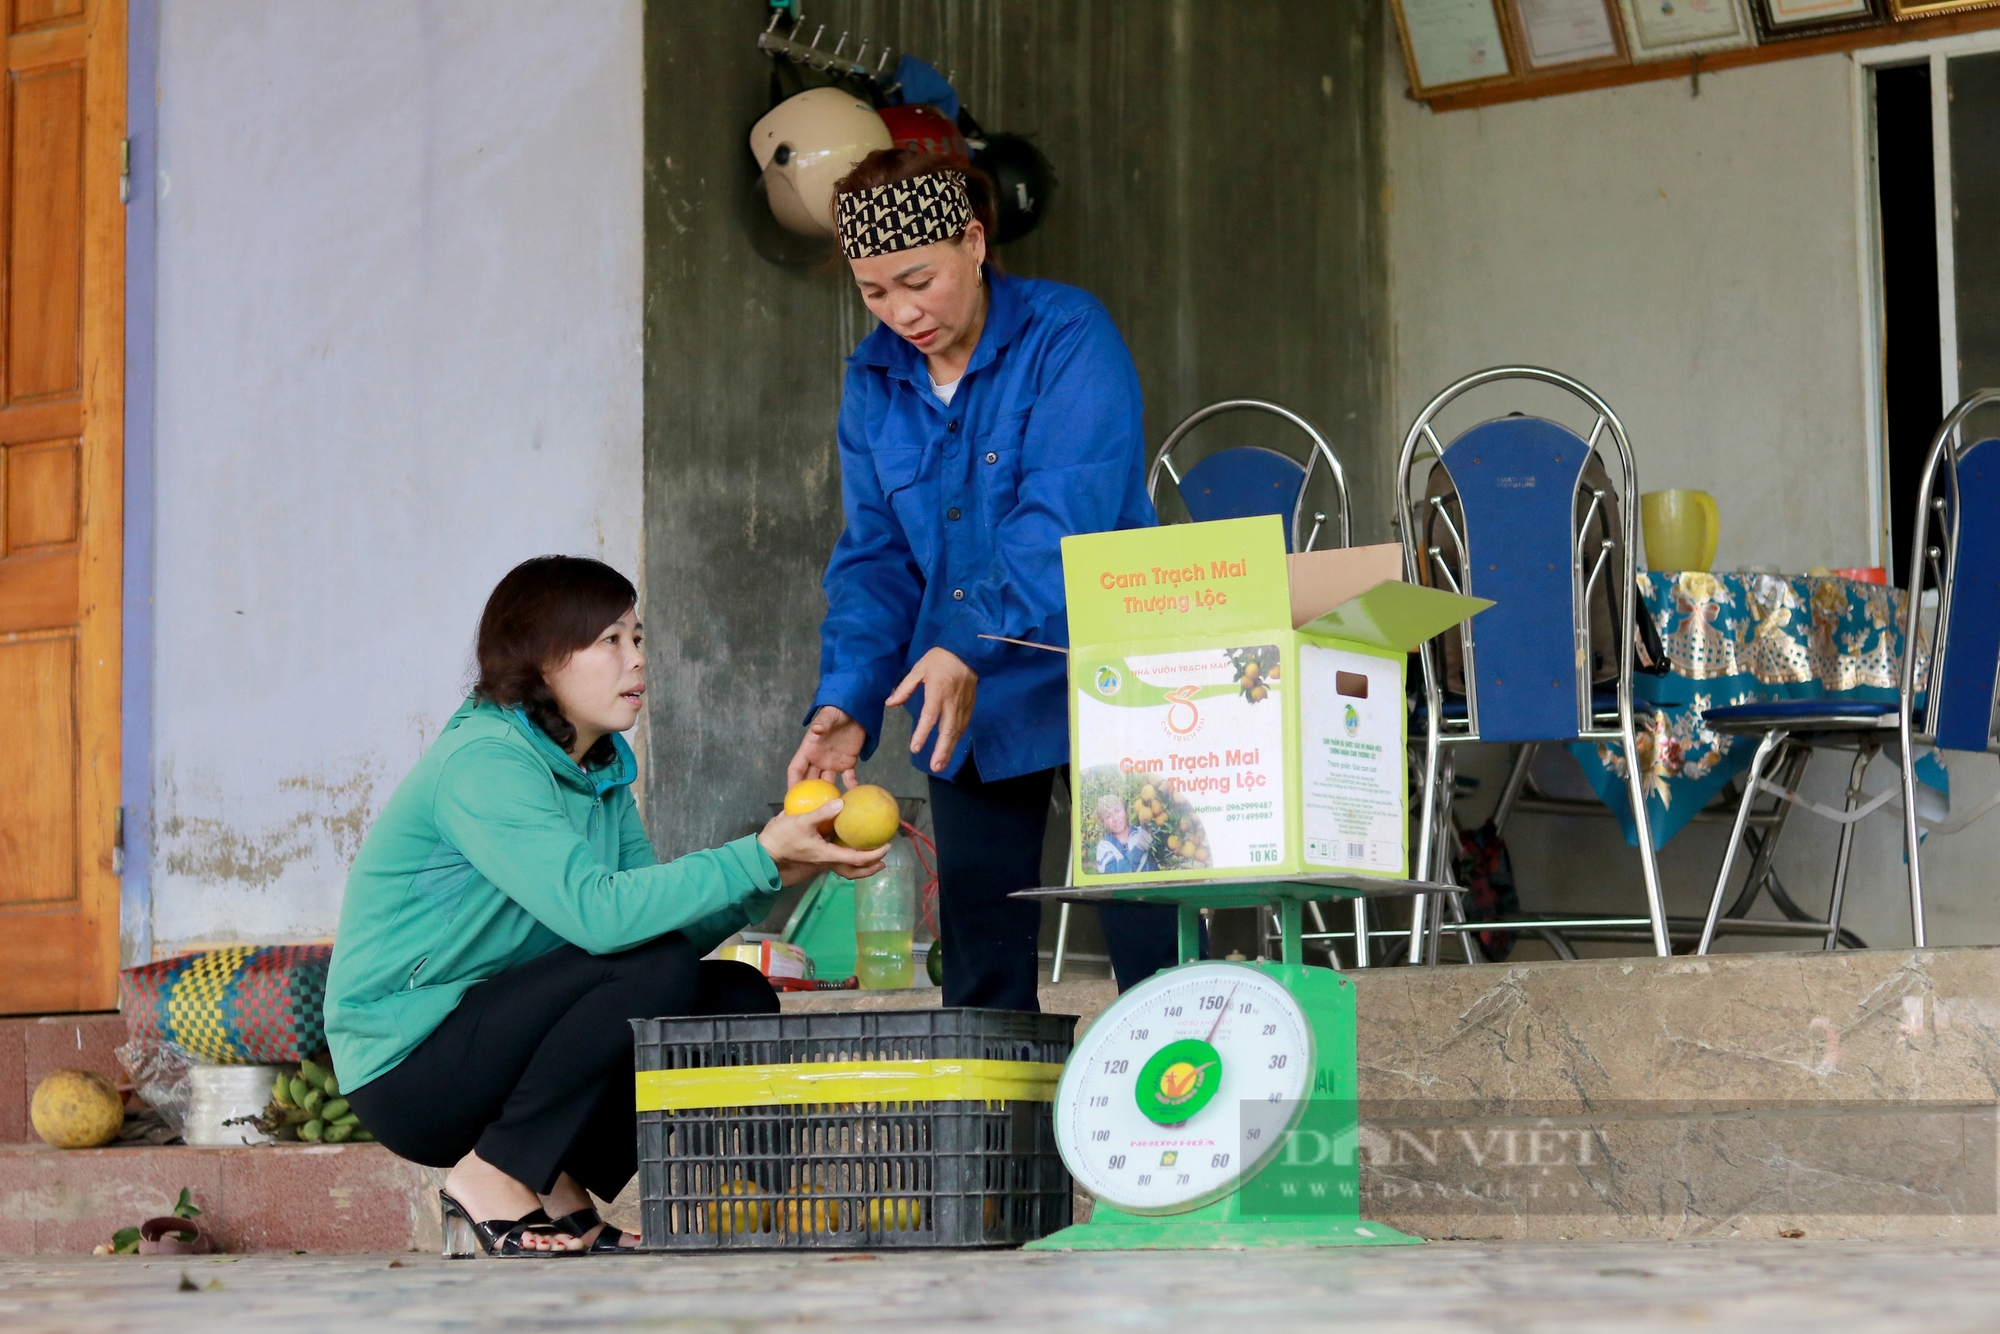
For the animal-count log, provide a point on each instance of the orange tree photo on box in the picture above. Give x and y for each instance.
(1132, 823)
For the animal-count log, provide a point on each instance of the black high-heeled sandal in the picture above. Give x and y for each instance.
(496, 1238)
(579, 1221)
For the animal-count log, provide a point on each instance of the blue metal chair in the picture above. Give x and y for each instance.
(1957, 545)
(1237, 483)
(1526, 658)
(1248, 480)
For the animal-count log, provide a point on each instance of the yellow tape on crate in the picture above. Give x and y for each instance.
(847, 1081)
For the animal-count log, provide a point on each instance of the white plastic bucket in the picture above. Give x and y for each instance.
(226, 1093)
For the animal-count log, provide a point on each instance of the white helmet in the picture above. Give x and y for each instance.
(805, 144)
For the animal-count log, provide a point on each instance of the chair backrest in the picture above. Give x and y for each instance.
(1248, 480)
(1526, 657)
(1237, 483)
(1958, 542)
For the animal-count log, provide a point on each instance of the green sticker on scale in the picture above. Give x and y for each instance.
(1178, 1081)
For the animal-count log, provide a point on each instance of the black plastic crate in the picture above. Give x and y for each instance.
(848, 1176)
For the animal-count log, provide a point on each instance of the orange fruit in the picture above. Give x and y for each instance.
(900, 1214)
(747, 1216)
(868, 818)
(809, 795)
(808, 1215)
(76, 1109)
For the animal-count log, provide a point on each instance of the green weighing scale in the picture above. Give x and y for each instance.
(1214, 1105)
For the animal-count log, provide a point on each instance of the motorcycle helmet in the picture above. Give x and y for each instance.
(1024, 182)
(927, 130)
(806, 143)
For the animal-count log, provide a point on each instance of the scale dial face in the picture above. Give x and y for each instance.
(1184, 1087)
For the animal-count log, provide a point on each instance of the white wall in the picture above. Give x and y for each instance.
(399, 350)
(1693, 259)
(1697, 262)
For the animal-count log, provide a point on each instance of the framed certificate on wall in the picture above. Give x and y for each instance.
(1567, 34)
(1451, 44)
(1781, 20)
(1671, 29)
(1924, 9)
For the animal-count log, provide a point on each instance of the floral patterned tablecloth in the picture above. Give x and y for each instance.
(1738, 639)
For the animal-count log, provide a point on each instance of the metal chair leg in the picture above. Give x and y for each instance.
(1765, 746)
(1062, 944)
(1433, 928)
(1444, 855)
(1649, 862)
(1319, 924)
(1912, 835)
(1361, 953)
(1790, 770)
(1420, 903)
(1062, 918)
(1846, 849)
(1517, 778)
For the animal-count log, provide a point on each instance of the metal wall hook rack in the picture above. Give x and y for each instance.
(810, 54)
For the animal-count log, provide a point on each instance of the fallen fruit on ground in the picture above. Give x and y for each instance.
(868, 819)
(809, 795)
(77, 1109)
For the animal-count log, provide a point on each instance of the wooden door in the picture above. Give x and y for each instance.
(62, 298)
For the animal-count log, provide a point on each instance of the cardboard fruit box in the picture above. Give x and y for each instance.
(1235, 710)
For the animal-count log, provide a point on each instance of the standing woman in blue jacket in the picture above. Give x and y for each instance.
(985, 420)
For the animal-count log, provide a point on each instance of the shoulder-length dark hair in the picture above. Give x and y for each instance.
(543, 611)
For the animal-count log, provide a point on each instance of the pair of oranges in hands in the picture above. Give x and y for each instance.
(868, 818)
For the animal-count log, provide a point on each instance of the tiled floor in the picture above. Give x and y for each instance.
(1630, 1287)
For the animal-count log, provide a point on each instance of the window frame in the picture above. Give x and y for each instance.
(1936, 51)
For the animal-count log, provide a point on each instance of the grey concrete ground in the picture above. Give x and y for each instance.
(1631, 1287)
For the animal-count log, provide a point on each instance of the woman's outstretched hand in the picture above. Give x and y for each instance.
(949, 689)
(830, 749)
(798, 844)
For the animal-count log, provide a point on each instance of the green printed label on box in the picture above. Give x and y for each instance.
(1180, 759)
(1166, 583)
(1351, 759)
(1211, 735)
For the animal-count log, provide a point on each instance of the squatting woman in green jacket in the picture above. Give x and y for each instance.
(507, 916)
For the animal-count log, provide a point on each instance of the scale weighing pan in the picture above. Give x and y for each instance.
(1213, 1106)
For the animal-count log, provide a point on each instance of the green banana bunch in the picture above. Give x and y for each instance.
(308, 1106)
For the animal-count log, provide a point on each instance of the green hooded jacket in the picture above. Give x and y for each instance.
(496, 849)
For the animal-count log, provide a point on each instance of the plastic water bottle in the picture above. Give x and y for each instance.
(885, 920)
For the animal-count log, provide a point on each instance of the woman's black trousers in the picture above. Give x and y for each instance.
(989, 844)
(534, 1067)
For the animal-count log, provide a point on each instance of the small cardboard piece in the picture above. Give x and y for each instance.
(1237, 710)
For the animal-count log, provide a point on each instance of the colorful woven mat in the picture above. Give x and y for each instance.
(246, 1005)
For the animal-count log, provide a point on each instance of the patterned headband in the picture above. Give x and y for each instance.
(903, 215)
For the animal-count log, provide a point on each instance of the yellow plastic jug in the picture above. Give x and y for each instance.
(1681, 529)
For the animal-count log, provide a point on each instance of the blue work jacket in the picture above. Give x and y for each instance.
(956, 515)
